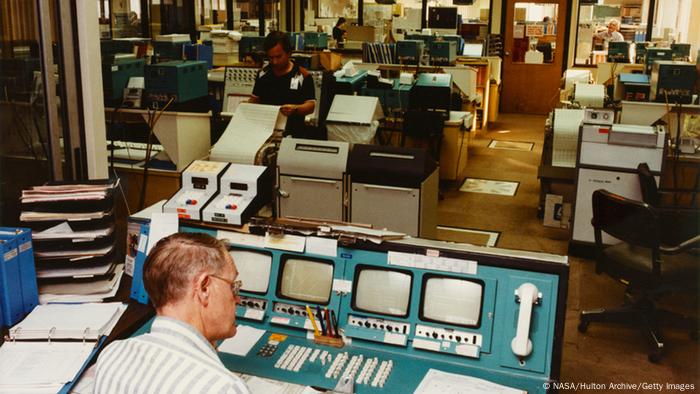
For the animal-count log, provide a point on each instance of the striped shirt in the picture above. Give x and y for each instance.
(172, 358)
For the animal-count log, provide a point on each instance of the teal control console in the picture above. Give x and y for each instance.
(403, 308)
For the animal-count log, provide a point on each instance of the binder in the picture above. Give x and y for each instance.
(69, 344)
(10, 282)
(30, 293)
(138, 291)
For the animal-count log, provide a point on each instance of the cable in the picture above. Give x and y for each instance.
(121, 189)
(151, 126)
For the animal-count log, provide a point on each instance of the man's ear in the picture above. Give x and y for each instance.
(202, 288)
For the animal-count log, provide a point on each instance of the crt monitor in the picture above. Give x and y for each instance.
(382, 291)
(305, 280)
(253, 269)
(473, 49)
(442, 18)
(451, 300)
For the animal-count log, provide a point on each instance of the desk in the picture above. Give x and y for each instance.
(185, 136)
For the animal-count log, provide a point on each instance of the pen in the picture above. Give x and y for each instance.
(328, 322)
(320, 319)
(311, 317)
(335, 323)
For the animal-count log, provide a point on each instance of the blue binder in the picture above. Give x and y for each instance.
(138, 292)
(27, 269)
(10, 282)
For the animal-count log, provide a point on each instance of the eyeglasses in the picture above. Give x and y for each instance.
(235, 284)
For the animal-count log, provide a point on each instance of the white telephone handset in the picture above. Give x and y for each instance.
(527, 294)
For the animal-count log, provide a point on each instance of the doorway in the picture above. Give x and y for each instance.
(533, 55)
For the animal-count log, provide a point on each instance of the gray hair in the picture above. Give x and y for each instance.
(176, 260)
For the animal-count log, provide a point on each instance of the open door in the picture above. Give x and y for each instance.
(534, 52)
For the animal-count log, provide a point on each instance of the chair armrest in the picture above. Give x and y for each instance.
(681, 247)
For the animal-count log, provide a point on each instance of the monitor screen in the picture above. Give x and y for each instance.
(452, 300)
(306, 280)
(253, 269)
(473, 50)
(382, 291)
(442, 18)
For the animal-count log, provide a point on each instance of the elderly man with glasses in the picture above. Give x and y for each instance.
(192, 282)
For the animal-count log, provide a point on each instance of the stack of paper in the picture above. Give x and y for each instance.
(250, 127)
(566, 130)
(69, 321)
(41, 367)
(73, 238)
(438, 382)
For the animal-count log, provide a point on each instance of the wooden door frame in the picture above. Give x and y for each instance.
(567, 32)
(519, 76)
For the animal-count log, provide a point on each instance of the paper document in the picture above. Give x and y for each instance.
(250, 127)
(240, 344)
(29, 216)
(438, 382)
(75, 272)
(292, 243)
(75, 253)
(233, 237)
(258, 385)
(162, 225)
(40, 365)
(64, 231)
(98, 288)
(322, 246)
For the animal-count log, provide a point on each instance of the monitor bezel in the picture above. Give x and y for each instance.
(356, 276)
(283, 262)
(456, 25)
(421, 307)
(272, 264)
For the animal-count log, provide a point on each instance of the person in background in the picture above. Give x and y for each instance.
(339, 30)
(283, 82)
(191, 281)
(611, 34)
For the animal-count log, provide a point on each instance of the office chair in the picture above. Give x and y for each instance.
(649, 267)
(653, 195)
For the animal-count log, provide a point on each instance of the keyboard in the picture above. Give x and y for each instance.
(132, 151)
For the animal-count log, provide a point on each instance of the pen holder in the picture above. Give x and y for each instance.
(329, 341)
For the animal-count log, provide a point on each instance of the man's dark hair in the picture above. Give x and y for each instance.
(277, 37)
(341, 20)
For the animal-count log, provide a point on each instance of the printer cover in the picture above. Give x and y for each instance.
(390, 165)
(313, 158)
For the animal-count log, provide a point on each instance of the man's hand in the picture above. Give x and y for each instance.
(288, 109)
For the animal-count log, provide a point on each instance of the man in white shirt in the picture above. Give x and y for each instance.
(191, 280)
(611, 34)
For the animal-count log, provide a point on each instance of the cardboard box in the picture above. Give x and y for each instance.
(330, 61)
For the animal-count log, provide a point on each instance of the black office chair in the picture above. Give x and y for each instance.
(648, 266)
(653, 195)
